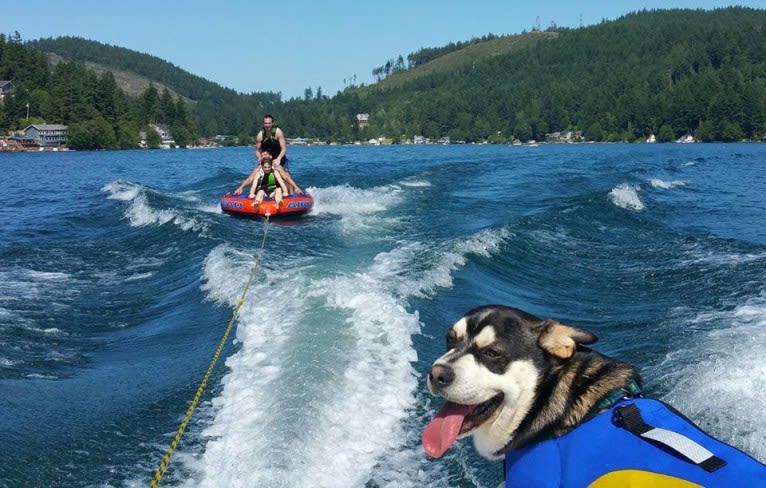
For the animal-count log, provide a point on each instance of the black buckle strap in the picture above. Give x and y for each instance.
(630, 418)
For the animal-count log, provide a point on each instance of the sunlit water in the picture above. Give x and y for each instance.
(119, 274)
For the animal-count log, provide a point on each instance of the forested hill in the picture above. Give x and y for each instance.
(668, 72)
(424, 62)
(662, 72)
(151, 69)
(216, 109)
(118, 58)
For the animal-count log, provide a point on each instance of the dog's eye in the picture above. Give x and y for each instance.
(451, 339)
(490, 353)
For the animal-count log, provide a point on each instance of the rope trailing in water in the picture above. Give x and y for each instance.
(180, 432)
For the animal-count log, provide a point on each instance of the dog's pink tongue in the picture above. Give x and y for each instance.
(442, 431)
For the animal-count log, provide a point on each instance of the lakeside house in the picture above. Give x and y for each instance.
(6, 88)
(298, 141)
(167, 139)
(363, 120)
(564, 137)
(44, 135)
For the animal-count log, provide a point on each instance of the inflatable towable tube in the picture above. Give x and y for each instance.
(293, 205)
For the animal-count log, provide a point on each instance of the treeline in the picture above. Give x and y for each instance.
(662, 72)
(152, 67)
(215, 109)
(667, 73)
(99, 115)
(423, 56)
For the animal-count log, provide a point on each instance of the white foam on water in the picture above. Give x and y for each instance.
(346, 200)
(252, 439)
(718, 377)
(189, 196)
(246, 416)
(666, 185)
(626, 196)
(137, 269)
(321, 390)
(415, 183)
(416, 280)
(205, 206)
(43, 276)
(362, 212)
(225, 273)
(7, 363)
(139, 276)
(211, 208)
(141, 214)
(484, 243)
(698, 253)
(55, 356)
(363, 417)
(121, 190)
(39, 376)
(32, 284)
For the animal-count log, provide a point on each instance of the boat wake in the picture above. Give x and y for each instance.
(324, 369)
(721, 388)
(141, 212)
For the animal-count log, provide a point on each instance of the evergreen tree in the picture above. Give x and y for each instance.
(153, 138)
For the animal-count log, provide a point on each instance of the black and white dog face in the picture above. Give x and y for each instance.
(496, 359)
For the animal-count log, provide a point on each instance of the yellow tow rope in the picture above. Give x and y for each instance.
(180, 432)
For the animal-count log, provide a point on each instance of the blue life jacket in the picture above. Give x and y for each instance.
(625, 446)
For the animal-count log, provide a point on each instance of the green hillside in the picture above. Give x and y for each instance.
(143, 67)
(215, 109)
(662, 72)
(132, 83)
(467, 56)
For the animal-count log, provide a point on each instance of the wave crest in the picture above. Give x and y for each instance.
(626, 196)
(666, 185)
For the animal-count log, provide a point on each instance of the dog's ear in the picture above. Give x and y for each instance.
(561, 340)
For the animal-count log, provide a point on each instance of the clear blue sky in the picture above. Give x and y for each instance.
(287, 46)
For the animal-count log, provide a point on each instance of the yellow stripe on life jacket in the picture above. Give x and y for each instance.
(634, 478)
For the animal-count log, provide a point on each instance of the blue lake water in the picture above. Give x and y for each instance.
(119, 274)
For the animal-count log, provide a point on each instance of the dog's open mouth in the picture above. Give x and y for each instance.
(454, 419)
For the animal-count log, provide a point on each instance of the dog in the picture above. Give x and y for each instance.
(531, 391)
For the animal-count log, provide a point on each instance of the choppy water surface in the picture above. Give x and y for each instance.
(119, 273)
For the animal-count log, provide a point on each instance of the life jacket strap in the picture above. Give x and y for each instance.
(629, 416)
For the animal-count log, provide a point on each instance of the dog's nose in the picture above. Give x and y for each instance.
(441, 375)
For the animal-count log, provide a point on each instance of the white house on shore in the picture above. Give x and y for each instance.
(46, 135)
(167, 138)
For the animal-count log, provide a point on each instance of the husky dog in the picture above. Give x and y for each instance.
(514, 381)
